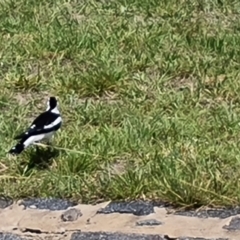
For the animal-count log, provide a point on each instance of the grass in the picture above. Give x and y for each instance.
(148, 90)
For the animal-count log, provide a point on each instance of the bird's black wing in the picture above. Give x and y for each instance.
(44, 119)
(39, 125)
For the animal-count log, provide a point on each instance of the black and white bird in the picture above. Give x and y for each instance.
(42, 128)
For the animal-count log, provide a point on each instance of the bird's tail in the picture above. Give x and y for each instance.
(17, 149)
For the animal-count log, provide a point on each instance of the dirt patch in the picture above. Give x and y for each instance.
(28, 97)
(183, 82)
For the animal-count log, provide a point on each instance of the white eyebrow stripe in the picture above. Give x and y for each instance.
(54, 123)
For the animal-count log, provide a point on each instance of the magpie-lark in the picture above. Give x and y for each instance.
(42, 128)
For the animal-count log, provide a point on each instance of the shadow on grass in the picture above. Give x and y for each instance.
(42, 158)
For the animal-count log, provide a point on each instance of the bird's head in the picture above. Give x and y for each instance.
(52, 105)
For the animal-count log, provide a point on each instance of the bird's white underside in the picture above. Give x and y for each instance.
(37, 138)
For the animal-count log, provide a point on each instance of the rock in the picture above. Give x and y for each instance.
(148, 222)
(233, 225)
(71, 215)
(138, 208)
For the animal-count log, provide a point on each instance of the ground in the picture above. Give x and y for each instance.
(139, 220)
(148, 91)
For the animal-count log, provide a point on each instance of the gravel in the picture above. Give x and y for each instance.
(121, 236)
(114, 236)
(106, 236)
(52, 204)
(138, 208)
(9, 236)
(233, 225)
(214, 213)
(5, 201)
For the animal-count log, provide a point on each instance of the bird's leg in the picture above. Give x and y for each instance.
(37, 150)
(49, 144)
